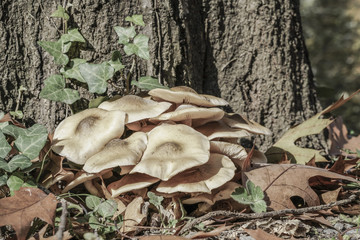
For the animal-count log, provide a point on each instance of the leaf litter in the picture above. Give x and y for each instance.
(279, 184)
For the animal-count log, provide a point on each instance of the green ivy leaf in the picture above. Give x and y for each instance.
(140, 47)
(136, 19)
(73, 71)
(147, 83)
(116, 61)
(19, 161)
(5, 147)
(154, 199)
(92, 201)
(60, 13)
(73, 35)
(3, 124)
(3, 180)
(13, 131)
(107, 208)
(96, 76)
(55, 90)
(125, 34)
(251, 195)
(31, 140)
(56, 50)
(16, 181)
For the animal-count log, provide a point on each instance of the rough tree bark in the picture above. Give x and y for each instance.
(251, 53)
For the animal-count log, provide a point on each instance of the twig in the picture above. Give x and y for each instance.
(237, 215)
(62, 226)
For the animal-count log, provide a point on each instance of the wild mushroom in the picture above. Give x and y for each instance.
(81, 135)
(235, 152)
(172, 149)
(131, 182)
(213, 174)
(118, 152)
(186, 95)
(198, 115)
(235, 120)
(215, 130)
(136, 107)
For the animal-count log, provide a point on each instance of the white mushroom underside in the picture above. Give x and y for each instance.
(213, 174)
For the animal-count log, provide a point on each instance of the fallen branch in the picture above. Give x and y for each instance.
(246, 216)
(62, 226)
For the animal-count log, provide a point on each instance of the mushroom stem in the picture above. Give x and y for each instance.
(91, 188)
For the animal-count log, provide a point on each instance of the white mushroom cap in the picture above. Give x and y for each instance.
(179, 96)
(118, 152)
(131, 182)
(186, 112)
(136, 107)
(213, 174)
(219, 129)
(81, 135)
(172, 149)
(235, 120)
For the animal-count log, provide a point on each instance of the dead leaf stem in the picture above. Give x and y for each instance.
(247, 216)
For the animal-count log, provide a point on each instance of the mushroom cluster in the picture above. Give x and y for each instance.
(177, 141)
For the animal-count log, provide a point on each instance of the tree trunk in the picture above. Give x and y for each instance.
(250, 53)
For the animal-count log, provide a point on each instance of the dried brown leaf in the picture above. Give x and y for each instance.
(162, 237)
(27, 203)
(133, 215)
(216, 232)
(281, 182)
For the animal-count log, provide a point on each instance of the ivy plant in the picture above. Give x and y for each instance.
(95, 76)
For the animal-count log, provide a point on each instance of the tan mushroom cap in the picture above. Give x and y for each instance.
(235, 152)
(81, 135)
(117, 153)
(172, 149)
(131, 182)
(213, 174)
(136, 107)
(186, 112)
(235, 120)
(219, 129)
(178, 95)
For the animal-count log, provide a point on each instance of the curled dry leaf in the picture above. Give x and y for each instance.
(260, 234)
(27, 203)
(281, 182)
(133, 215)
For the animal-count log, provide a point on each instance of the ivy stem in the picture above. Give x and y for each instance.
(129, 76)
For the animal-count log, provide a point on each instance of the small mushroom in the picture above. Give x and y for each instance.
(215, 130)
(235, 120)
(198, 115)
(183, 94)
(131, 182)
(118, 152)
(172, 149)
(136, 107)
(81, 135)
(213, 174)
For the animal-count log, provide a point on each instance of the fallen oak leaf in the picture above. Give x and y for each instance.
(313, 125)
(281, 182)
(27, 203)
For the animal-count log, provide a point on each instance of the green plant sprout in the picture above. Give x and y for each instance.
(250, 195)
(18, 113)
(95, 76)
